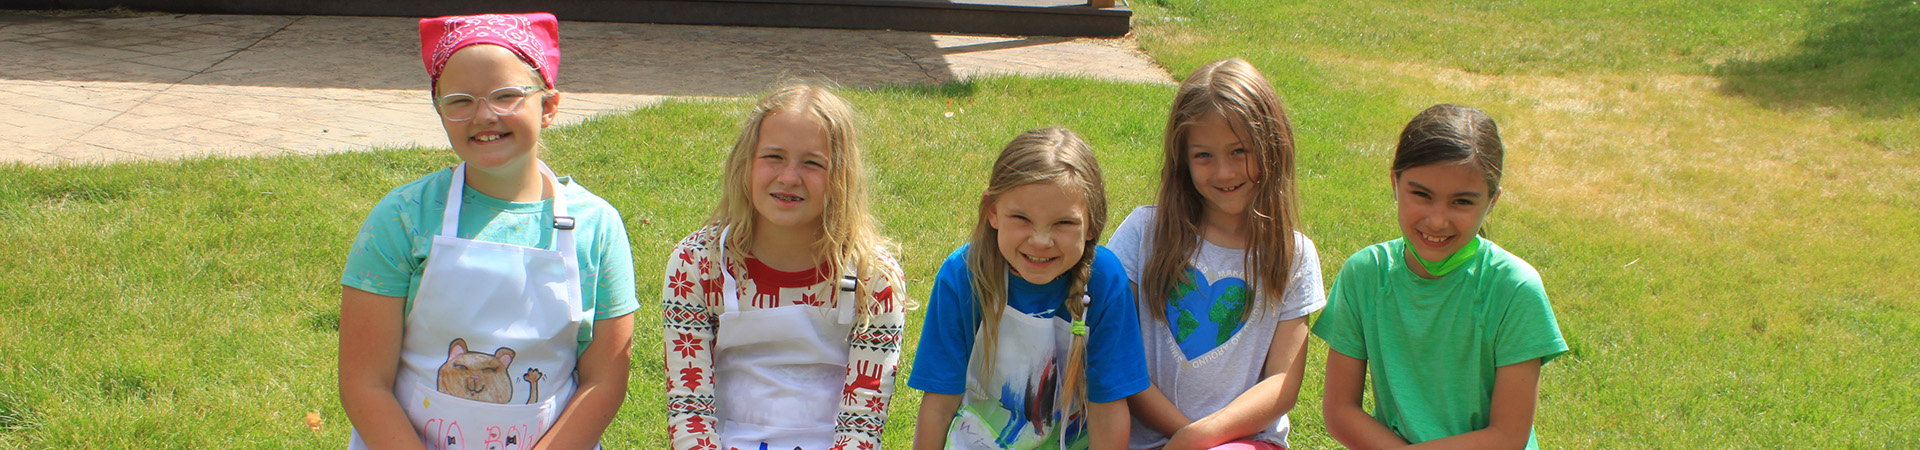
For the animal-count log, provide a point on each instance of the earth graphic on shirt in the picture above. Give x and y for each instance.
(1207, 313)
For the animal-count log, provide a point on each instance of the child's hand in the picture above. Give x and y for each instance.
(1179, 441)
(1194, 436)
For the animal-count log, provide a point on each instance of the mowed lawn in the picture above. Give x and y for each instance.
(1723, 199)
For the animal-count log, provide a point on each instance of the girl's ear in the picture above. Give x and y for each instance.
(549, 107)
(1495, 198)
(993, 219)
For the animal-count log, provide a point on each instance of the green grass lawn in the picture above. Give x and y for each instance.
(1722, 198)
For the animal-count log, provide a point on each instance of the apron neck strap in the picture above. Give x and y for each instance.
(843, 288)
(450, 222)
(731, 295)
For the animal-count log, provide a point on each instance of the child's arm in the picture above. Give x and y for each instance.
(1108, 425)
(370, 327)
(873, 359)
(1152, 406)
(603, 366)
(602, 387)
(1116, 361)
(1263, 404)
(1516, 393)
(936, 414)
(690, 327)
(1346, 421)
(1157, 412)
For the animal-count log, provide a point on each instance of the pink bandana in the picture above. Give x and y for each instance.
(534, 37)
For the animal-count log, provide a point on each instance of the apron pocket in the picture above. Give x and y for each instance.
(744, 436)
(449, 422)
(970, 431)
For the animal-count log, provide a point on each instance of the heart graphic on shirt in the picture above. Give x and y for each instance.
(1205, 314)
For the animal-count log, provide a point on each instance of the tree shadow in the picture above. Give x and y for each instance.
(1868, 62)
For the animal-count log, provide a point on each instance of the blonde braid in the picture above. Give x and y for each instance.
(1073, 372)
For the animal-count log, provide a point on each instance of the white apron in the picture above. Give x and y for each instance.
(488, 349)
(779, 372)
(1019, 406)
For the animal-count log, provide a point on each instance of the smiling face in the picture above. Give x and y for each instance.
(1442, 206)
(1042, 229)
(1221, 167)
(490, 141)
(789, 179)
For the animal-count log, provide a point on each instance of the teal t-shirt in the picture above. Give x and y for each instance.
(1432, 346)
(390, 252)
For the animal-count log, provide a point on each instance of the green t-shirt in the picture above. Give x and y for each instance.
(1432, 346)
(390, 253)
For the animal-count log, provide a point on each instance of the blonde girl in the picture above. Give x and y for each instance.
(1223, 271)
(1031, 341)
(490, 303)
(783, 314)
(1451, 328)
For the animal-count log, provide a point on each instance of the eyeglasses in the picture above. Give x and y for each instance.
(504, 101)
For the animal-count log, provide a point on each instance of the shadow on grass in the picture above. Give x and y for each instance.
(950, 89)
(16, 415)
(1868, 62)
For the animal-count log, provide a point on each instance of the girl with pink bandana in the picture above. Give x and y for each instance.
(487, 305)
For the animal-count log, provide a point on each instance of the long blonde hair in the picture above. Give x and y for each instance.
(1050, 155)
(850, 240)
(1234, 89)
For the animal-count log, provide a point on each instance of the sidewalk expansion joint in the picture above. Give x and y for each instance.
(910, 58)
(170, 86)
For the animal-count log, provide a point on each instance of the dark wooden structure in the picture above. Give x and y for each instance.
(1002, 17)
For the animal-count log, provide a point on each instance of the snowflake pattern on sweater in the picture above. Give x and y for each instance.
(691, 298)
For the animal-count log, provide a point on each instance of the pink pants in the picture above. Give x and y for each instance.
(1248, 445)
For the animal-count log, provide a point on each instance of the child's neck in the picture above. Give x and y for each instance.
(513, 185)
(1418, 269)
(787, 249)
(1223, 230)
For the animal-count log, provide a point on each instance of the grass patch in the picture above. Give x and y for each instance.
(15, 415)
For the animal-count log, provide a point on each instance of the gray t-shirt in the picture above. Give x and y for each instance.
(1208, 356)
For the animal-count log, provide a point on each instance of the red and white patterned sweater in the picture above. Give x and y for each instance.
(691, 298)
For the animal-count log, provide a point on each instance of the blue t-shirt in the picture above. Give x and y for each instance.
(390, 253)
(1116, 364)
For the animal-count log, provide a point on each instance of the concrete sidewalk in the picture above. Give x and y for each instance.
(154, 86)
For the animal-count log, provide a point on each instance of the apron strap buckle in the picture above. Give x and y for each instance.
(848, 302)
(563, 222)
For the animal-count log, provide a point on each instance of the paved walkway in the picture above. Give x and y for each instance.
(103, 89)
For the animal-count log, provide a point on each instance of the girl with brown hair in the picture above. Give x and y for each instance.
(1223, 271)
